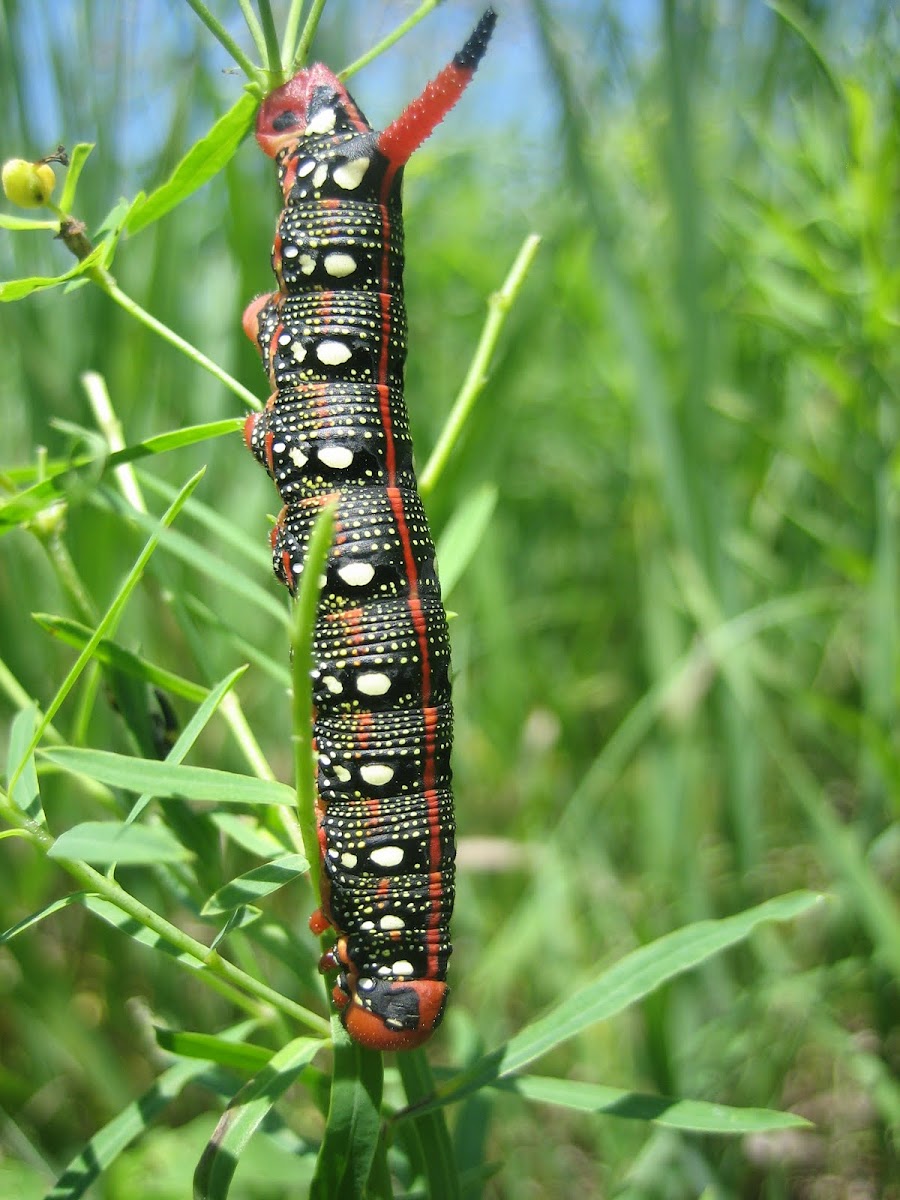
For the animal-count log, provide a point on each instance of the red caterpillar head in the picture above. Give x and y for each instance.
(313, 102)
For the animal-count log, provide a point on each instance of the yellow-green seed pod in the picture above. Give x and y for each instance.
(28, 184)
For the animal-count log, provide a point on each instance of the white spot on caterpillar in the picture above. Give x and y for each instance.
(365, 984)
(340, 265)
(333, 353)
(390, 922)
(378, 774)
(334, 685)
(349, 860)
(307, 264)
(393, 1023)
(384, 971)
(336, 457)
(367, 925)
(290, 250)
(358, 574)
(322, 122)
(342, 774)
(305, 168)
(278, 447)
(297, 457)
(349, 175)
(387, 856)
(373, 683)
(402, 967)
(321, 174)
(299, 351)
(332, 853)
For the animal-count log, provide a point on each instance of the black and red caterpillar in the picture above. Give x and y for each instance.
(333, 343)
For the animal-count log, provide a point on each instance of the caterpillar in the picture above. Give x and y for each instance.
(332, 338)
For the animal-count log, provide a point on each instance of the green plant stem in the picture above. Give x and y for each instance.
(309, 32)
(110, 426)
(402, 29)
(219, 968)
(289, 45)
(498, 307)
(269, 49)
(225, 39)
(108, 284)
(302, 627)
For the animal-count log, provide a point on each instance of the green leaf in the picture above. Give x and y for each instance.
(225, 1052)
(245, 1114)
(435, 1145)
(462, 536)
(110, 618)
(48, 910)
(165, 780)
(110, 654)
(77, 159)
(252, 887)
(131, 927)
(199, 165)
(245, 832)
(25, 792)
(8, 221)
(697, 1115)
(239, 919)
(106, 842)
(134, 1120)
(176, 439)
(195, 726)
(353, 1125)
(630, 980)
(17, 289)
(107, 1144)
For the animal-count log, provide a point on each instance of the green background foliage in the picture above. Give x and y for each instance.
(676, 648)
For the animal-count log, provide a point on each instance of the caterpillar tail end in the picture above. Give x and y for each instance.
(419, 120)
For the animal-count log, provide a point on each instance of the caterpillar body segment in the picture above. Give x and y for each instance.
(332, 338)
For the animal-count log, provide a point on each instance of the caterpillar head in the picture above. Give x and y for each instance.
(313, 102)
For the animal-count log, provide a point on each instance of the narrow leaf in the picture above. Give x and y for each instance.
(353, 1126)
(225, 1052)
(244, 1115)
(204, 159)
(111, 616)
(635, 976)
(77, 158)
(25, 792)
(106, 842)
(252, 887)
(17, 289)
(139, 933)
(165, 780)
(462, 536)
(106, 1145)
(73, 633)
(48, 910)
(696, 1115)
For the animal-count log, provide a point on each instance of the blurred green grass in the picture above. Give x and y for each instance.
(677, 652)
